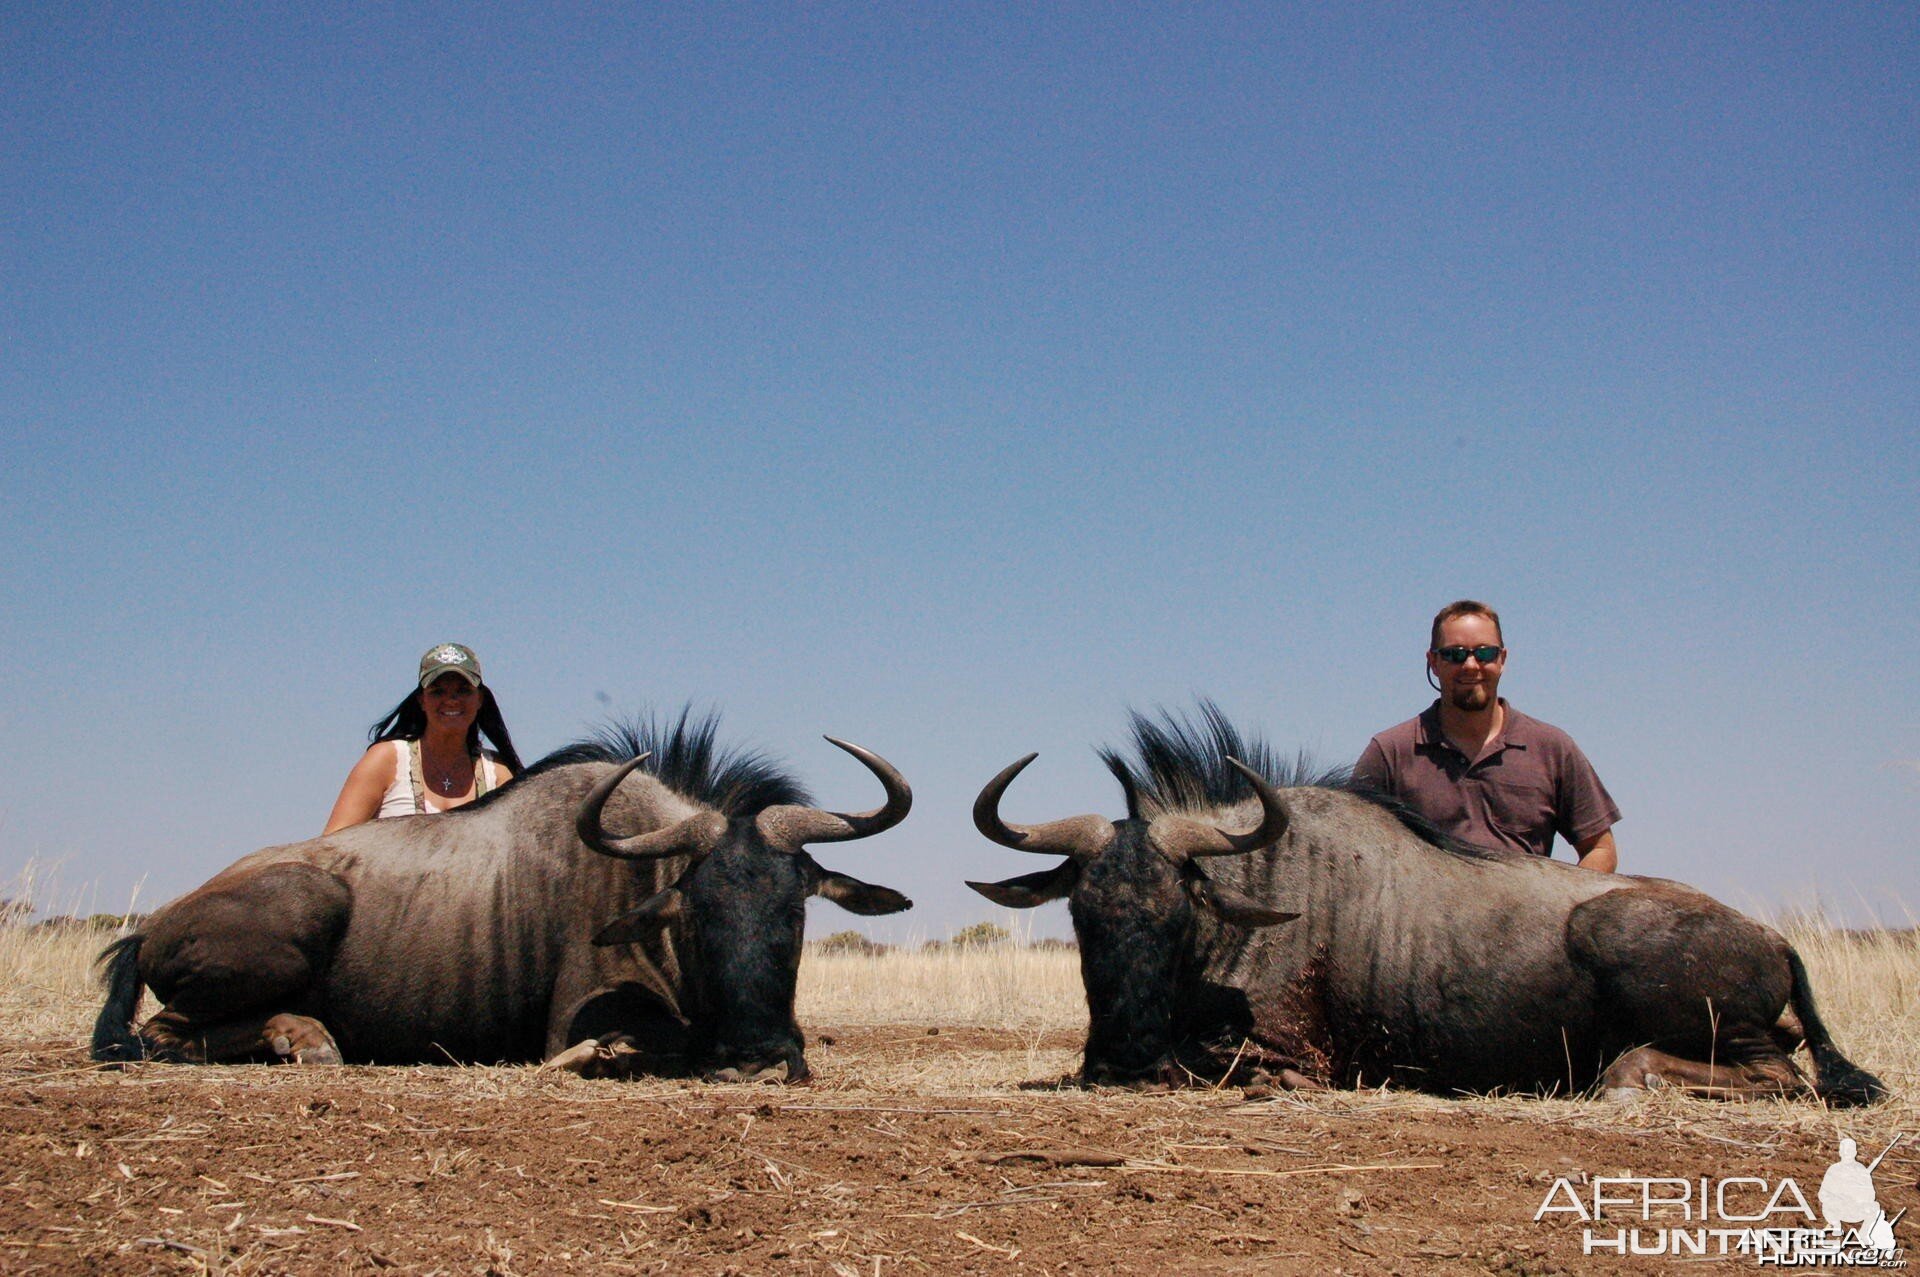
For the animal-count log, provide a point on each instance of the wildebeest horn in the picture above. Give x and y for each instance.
(1081, 837)
(1181, 838)
(693, 836)
(789, 828)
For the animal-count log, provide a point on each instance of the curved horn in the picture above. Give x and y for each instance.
(693, 836)
(790, 827)
(1080, 837)
(1181, 838)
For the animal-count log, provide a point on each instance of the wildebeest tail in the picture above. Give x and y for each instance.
(113, 1035)
(1837, 1080)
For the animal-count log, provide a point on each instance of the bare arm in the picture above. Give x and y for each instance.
(366, 785)
(1598, 852)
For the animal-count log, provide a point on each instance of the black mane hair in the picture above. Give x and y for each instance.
(1179, 763)
(734, 782)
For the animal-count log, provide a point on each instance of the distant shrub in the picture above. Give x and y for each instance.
(93, 922)
(980, 935)
(849, 942)
(987, 935)
(114, 921)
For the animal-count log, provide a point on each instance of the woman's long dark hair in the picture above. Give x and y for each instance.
(408, 721)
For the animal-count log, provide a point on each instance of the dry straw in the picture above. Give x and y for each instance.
(1867, 983)
(1004, 985)
(48, 940)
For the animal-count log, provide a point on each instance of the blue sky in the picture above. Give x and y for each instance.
(951, 381)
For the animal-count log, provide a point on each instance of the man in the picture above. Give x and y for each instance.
(1846, 1192)
(1480, 769)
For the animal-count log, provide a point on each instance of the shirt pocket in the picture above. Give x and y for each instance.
(1522, 808)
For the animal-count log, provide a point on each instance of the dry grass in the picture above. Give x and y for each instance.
(46, 983)
(1868, 985)
(904, 1077)
(46, 977)
(1009, 986)
(1034, 992)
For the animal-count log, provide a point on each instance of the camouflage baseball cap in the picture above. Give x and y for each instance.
(449, 656)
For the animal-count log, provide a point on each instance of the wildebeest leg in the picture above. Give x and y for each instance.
(296, 1039)
(617, 1032)
(1264, 1083)
(1645, 1068)
(236, 966)
(1688, 992)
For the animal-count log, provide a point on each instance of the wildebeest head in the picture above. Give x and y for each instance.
(1133, 887)
(740, 910)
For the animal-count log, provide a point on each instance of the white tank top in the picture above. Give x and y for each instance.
(400, 798)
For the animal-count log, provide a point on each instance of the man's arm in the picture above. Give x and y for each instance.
(1598, 852)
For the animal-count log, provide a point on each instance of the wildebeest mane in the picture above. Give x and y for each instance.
(686, 759)
(1179, 764)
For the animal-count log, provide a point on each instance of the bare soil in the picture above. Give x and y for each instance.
(883, 1165)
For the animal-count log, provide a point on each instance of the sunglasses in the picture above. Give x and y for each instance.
(1486, 655)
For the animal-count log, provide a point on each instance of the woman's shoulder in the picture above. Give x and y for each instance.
(382, 757)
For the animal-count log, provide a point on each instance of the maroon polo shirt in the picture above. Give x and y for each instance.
(1529, 782)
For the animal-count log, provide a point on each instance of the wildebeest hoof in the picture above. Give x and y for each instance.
(1294, 1080)
(614, 1056)
(324, 1053)
(299, 1039)
(575, 1058)
(773, 1073)
(1149, 1085)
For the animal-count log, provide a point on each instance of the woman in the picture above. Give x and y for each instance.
(426, 754)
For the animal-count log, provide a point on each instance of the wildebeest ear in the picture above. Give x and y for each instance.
(1236, 907)
(637, 924)
(858, 897)
(1029, 890)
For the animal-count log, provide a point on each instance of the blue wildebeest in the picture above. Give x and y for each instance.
(1335, 938)
(517, 928)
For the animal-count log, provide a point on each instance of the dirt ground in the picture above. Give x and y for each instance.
(881, 1166)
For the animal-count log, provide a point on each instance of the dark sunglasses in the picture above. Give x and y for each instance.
(1458, 655)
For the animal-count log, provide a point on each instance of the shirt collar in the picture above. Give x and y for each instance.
(1514, 733)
